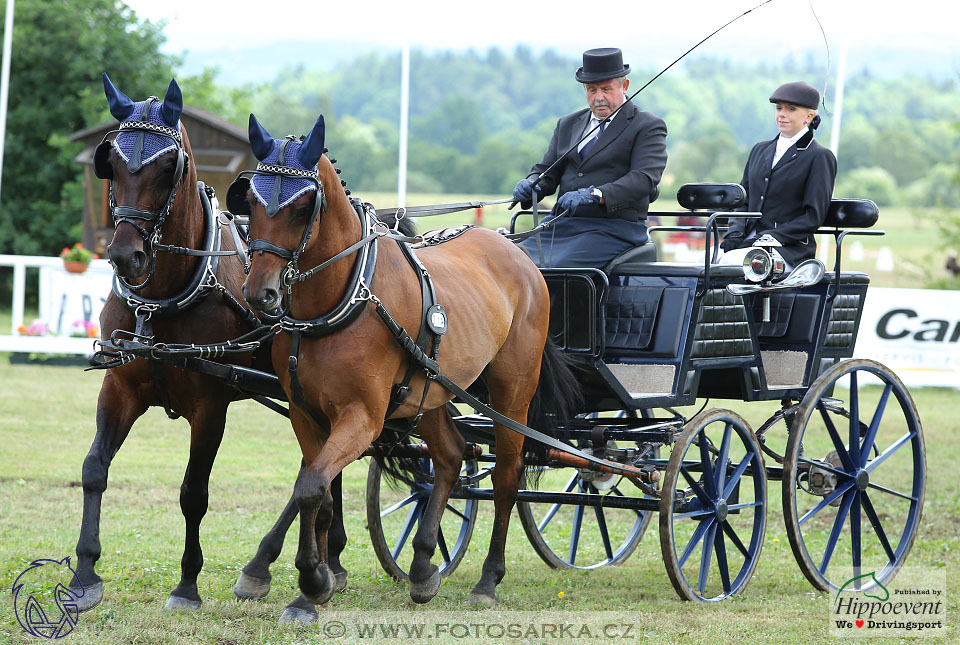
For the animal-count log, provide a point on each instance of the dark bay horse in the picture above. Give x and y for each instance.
(496, 318)
(174, 298)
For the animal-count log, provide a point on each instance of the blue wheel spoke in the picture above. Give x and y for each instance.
(704, 572)
(737, 474)
(457, 512)
(556, 507)
(698, 534)
(735, 539)
(721, 551)
(870, 467)
(724, 456)
(856, 542)
(737, 507)
(891, 491)
(825, 502)
(835, 437)
(412, 518)
(877, 527)
(874, 426)
(697, 513)
(854, 441)
(442, 544)
(838, 523)
(604, 535)
(396, 507)
(697, 488)
(709, 482)
(575, 533)
(827, 467)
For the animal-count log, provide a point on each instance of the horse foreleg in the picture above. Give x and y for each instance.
(206, 432)
(115, 416)
(254, 580)
(506, 478)
(446, 451)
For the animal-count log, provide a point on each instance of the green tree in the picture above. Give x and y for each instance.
(60, 50)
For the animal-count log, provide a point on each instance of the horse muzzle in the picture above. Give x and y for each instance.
(128, 260)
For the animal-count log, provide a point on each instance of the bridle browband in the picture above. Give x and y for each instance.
(129, 214)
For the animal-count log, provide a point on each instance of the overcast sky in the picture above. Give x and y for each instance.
(647, 31)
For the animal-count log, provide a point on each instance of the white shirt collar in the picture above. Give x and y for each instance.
(784, 143)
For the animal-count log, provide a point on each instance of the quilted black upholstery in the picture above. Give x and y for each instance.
(631, 313)
(843, 318)
(722, 328)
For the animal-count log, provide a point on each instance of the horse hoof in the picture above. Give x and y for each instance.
(250, 588)
(179, 602)
(329, 588)
(91, 597)
(297, 615)
(423, 592)
(340, 577)
(481, 599)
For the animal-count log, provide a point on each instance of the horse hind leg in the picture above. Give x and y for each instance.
(206, 432)
(446, 451)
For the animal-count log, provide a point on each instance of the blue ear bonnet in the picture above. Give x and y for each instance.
(154, 145)
(290, 187)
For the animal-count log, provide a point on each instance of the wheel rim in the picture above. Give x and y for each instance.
(853, 485)
(393, 515)
(713, 508)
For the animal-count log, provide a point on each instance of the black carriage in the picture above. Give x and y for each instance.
(648, 336)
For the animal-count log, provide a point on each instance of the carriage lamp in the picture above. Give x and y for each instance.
(763, 263)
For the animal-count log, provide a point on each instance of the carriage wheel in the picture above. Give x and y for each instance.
(713, 507)
(853, 483)
(572, 536)
(393, 514)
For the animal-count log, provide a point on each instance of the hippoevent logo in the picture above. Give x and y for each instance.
(44, 598)
(864, 606)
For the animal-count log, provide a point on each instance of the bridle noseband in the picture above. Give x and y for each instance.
(132, 215)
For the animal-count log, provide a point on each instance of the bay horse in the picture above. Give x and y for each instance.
(493, 317)
(173, 298)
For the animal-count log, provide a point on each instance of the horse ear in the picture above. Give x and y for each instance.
(172, 105)
(121, 106)
(312, 147)
(260, 139)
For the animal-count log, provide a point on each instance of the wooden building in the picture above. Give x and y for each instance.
(220, 151)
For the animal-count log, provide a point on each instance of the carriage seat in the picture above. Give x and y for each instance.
(851, 213)
(711, 196)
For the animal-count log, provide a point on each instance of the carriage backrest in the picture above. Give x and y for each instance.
(711, 196)
(852, 213)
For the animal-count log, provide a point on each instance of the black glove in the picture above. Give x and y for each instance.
(523, 192)
(576, 198)
(731, 242)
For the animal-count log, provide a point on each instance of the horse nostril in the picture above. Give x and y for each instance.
(138, 260)
(269, 298)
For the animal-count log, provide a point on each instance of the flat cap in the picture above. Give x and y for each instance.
(797, 93)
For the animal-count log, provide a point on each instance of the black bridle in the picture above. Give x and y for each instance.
(132, 215)
(238, 205)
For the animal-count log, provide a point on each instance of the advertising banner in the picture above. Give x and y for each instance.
(914, 332)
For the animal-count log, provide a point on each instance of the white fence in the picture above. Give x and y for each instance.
(67, 301)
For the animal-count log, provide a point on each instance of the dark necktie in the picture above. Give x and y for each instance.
(592, 142)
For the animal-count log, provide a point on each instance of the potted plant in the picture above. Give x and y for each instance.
(76, 259)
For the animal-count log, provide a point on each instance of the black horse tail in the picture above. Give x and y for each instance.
(557, 400)
(392, 453)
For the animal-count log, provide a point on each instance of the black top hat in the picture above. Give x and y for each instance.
(797, 93)
(602, 65)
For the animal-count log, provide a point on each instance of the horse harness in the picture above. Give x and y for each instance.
(203, 281)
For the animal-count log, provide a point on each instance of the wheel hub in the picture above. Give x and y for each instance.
(722, 510)
(863, 480)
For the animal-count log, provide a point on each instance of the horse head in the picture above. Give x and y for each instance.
(284, 198)
(146, 162)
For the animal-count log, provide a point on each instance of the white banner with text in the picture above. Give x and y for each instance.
(914, 332)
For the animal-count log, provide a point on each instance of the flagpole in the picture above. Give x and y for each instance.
(404, 119)
(5, 78)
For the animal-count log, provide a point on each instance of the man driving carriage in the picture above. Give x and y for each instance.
(606, 181)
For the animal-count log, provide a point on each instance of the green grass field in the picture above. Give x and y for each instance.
(47, 423)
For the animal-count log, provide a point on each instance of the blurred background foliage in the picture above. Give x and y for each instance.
(478, 120)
